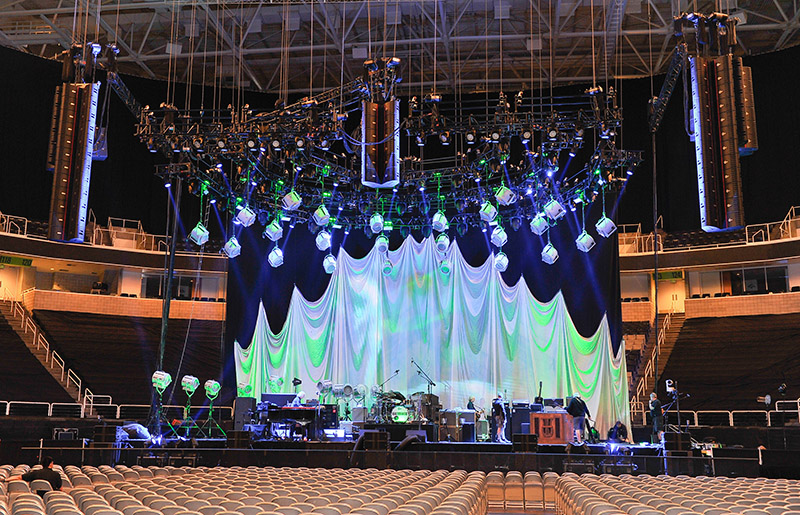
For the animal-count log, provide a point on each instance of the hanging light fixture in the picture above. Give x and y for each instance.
(498, 236)
(539, 224)
(322, 216)
(199, 234)
(291, 201)
(323, 240)
(232, 248)
(376, 223)
(445, 266)
(382, 243)
(275, 257)
(554, 210)
(387, 267)
(549, 254)
(488, 212)
(246, 216)
(329, 264)
(500, 261)
(439, 222)
(274, 231)
(442, 242)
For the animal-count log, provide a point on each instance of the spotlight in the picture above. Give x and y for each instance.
(424, 206)
(291, 201)
(552, 133)
(445, 266)
(243, 389)
(323, 240)
(526, 136)
(499, 236)
(190, 384)
(167, 183)
(442, 242)
(212, 388)
(252, 142)
(484, 226)
(500, 262)
(471, 136)
(300, 143)
(275, 257)
(322, 216)
(607, 133)
(584, 242)
(197, 143)
(232, 248)
(505, 196)
(516, 223)
(347, 229)
(539, 224)
(488, 212)
(329, 264)
(404, 230)
(426, 230)
(246, 216)
(222, 144)
(324, 144)
(461, 204)
(495, 136)
(439, 222)
(462, 228)
(401, 208)
(444, 138)
(573, 150)
(275, 143)
(420, 140)
(161, 380)
(370, 65)
(199, 234)
(549, 254)
(605, 227)
(387, 267)
(382, 243)
(274, 231)
(554, 210)
(579, 134)
(393, 62)
(376, 223)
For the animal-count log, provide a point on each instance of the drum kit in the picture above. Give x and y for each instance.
(393, 407)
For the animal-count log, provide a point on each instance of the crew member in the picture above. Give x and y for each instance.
(618, 433)
(298, 399)
(499, 414)
(471, 403)
(657, 414)
(46, 472)
(580, 412)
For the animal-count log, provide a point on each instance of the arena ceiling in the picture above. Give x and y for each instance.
(446, 45)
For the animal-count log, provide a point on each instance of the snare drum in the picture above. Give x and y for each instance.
(400, 415)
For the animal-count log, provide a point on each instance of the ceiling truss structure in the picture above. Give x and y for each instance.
(296, 47)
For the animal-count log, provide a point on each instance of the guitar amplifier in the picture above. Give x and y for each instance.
(448, 418)
(449, 433)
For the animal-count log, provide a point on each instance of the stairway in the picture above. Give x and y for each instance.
(670, 337)
(44, 357)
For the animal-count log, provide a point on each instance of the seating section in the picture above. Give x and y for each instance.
(515, 492)
(726, 363)
(664, 495)
(22, 376)
(250, 491)
(100, 347)
(636, 335)
(699, 238)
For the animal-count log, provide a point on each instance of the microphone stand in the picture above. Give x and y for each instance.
(431, 384)
(380, 387)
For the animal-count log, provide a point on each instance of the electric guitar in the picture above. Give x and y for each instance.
(538, 399)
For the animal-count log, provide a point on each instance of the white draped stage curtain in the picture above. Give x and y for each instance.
(469, 330)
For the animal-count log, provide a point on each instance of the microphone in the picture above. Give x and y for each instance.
(397, 371)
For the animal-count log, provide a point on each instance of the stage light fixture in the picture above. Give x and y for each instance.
(167, 183)
(401, 208)
(499, 236)
(539, 224)
(242, 389)
(387, 267)
(552, 133)
(252, 142)
(371, 65)
(275, 257)
(161, 380)
(274, 231)
(442, 242)
(275, 143)
(579, 134)
(322, 216)
(300, 143)
(222, 144)
(324, 144)
(500, 261)
(197, 143)
(488, 212)
(516, 223)
(382, 243)
(246, 216)
(439, 222)
(495, 136)
(444, 138)
(393, 62)
(471, 136)
(526, 136)
(376, 223)
(190, 384)
(329, 264)
(605, 227)
(549, 254)
(445, 266)
(420, 140)
(573, 150)
(424, 207)
(291, 201)
(323, 240)
(484, 226)
(584, 241)
(232, 248)
(212, 389)
(462, 228)
(199, 234)
(505, 196)
(554, 210)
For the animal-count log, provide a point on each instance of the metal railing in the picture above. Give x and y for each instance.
(92, 404)
(109, 410)
(638, 243)
(13, 224)
(734, 418)
(786, 228)
(649, 369)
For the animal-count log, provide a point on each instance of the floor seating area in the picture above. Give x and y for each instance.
(22, 376)
(725, 363)
(681, 495)
(248, 491)
(98, 347)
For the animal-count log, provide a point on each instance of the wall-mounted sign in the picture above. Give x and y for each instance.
(17, 261)
(671, 275)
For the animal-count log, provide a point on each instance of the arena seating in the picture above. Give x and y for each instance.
(22, 376)
(249, 491)
(99, 347)
(721, 361)
(697, 238)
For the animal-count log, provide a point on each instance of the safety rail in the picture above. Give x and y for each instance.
(11, 224)
(110, 411)
(92, 402)
(734, 418)
(786, 228)
(74, 380)
(649, 370)
(56, 361)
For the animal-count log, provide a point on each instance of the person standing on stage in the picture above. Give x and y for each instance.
(580, 412)
(499, 415)
(657, 414)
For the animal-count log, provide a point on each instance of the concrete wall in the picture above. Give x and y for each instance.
(741, 305)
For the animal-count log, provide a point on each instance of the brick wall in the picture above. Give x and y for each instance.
(120, 306)
(740, 305)
(637, 311)
(73, 282)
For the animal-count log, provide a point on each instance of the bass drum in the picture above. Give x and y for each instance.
(400, 415)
